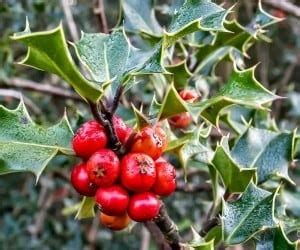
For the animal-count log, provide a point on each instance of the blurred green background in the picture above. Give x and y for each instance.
(31, 214)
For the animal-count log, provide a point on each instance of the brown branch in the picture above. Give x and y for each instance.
(189, 188)
(285, 6)
(157, 236)
(208, 225)
(42, 88)
(168, 228)
(100, 12)
(105, 119)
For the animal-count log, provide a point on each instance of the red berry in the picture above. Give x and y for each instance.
(151, 141)
(143, 207)
(115, 222)
(181, 120)
(188, 95)
(165, 182)
(137, 172)
(112, 200)
(122, 130)
(89, 138)
(81, 182)
(103, 167)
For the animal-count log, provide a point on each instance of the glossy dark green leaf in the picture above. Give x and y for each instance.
(113, 58)
(48, 51)
(140, 17)
(274, 239)
(195, 15)
(195, 149)
(141, 119)
(172, 104)
(181, 74)
(250, 214)
(242, 88)
(229, 169)
(268, 151)
(28, 147)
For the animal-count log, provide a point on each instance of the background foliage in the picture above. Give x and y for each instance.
(34, 215)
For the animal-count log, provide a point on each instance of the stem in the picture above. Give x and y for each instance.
(208, 225)
(99, 10)
(168, 228)
(105, 119)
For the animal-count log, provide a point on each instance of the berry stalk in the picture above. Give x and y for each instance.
(168, 228)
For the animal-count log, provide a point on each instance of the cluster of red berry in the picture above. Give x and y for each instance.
(127, 187)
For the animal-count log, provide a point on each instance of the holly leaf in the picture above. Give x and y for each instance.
(199, 243)
(232, 45)
(181, 74)
(194, 149)
(195, 15)
(86, 209)
(261, 20)
(229, 169)
(112, 58)
(172, 104)
(238, 118)
(141, 119)
(275, 239)
(28, 147)
(252, 213)
(242, 88)
(48, 51)
(140, 17)
(269, 152)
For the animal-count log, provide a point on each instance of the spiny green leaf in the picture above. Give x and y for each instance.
(275, 239)
(268, 151)
(113, 58)
(87, 208)
(234, 44)
(178, 142)
(199, 243)
(26, 146)
(172, 104)
(140, 17)
(181, 74)
(141, 119)
(253, 212)
(261, 20)
(48, 51)
(194, 15)
(195, 149)
(229, 169)
(242, 88)
(238, 118)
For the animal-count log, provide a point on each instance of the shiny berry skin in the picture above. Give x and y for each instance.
(103, 167)
(80, 181)
(189, 95)
(137, 172)
(182, 120)
(165, 183)
(115, 223)
(112, 200)
(121, 129)
(143, 207)
(89, 138)
(151, 141)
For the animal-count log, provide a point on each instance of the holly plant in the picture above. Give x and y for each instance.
(191, 120)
